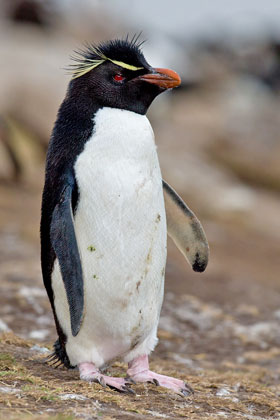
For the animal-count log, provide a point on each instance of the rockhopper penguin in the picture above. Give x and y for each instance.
(105, 217)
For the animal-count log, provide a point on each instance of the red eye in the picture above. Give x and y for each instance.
(118, 78)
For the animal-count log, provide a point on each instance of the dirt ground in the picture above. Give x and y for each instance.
(219, 331)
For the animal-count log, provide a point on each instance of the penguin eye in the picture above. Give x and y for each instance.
(118, 78)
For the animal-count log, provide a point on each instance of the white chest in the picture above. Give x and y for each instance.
(120, 157)
(120, 228)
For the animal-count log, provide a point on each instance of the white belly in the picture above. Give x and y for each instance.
(120, 227)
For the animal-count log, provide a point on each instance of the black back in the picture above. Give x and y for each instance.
(72, 129)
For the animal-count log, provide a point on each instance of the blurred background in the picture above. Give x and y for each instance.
(218, 144)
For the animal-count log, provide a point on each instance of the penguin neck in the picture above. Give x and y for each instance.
(81, 106)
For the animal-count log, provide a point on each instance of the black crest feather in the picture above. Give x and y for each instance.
(123, 52)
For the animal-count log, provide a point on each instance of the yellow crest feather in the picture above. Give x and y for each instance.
(124, 65)
(84, 65)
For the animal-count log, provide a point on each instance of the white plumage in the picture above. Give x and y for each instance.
(120, 226)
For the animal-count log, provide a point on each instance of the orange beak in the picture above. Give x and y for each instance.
(163, 78)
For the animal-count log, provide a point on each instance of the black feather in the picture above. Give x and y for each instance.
(71, 131)
(125, 50)
(59, 356)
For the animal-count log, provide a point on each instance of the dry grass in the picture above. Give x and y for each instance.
(36, 391)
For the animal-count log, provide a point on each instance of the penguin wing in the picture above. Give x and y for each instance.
(64, 243)
(185, 229)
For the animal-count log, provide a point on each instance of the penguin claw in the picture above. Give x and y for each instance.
(185, 392)
(90, 373)
(140, 373)
(128, 390)
(123, 388)
(102, 381)
(130, 381)
(188, 389)
(99, 380)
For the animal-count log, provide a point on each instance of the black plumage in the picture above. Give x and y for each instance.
(123, 50)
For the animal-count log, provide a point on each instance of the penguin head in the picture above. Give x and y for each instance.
(116, 74)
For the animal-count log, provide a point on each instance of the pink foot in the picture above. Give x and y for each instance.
(138, 371)
(89, 372)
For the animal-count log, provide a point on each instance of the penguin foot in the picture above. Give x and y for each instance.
(88, 372)
(138, 371)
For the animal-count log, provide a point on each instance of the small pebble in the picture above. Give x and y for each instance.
(40, 349)
(3, 326)
(39, 334)
(8, 390)
(223, 392)
(72, 397)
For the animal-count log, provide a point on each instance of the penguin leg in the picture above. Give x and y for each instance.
(138, 371)
(90, 373)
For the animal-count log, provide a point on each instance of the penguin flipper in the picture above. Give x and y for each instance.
(64, 243)
(185, 229)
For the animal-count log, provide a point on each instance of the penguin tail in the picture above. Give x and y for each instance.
(59, 356)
